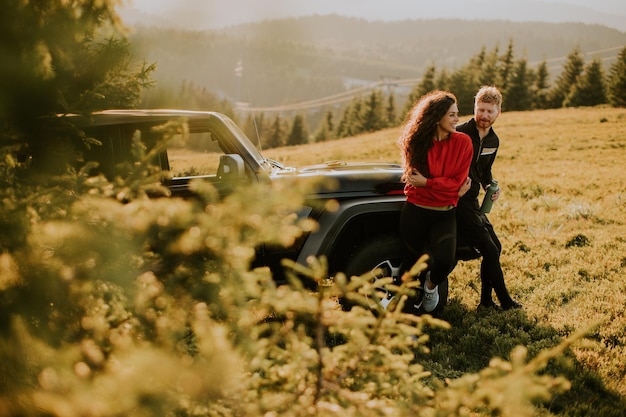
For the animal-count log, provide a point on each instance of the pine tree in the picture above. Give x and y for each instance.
(518, 91)
(617, 81)
(541, 86)
(373, 111)
(254, 127)
(424, 86)
(60, 61)
(506, 66)
(391, 118)
(350, 123)
(463, 84)
(489, 74)
(443, 80)
(589, 89)
(326, 130)
(276, 135)
(330, 122)
(343, 128)
(55, 60)
(572, 68)
(299, 133)
(479, 59)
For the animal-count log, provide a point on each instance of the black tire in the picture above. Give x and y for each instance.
(385, 253)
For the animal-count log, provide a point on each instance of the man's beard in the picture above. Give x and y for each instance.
(484, 123)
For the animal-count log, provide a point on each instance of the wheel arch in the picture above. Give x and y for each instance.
(342, 232)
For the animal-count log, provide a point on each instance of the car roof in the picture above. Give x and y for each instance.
(129, 116)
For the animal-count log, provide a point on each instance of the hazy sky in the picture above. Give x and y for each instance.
(202, 14)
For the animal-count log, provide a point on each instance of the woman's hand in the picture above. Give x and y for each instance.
(416, 179)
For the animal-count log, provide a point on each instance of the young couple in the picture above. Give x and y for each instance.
(444, 167)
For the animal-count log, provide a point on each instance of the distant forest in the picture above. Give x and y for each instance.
(373, 69)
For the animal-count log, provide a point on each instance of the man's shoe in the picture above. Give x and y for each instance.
(430, 299)
(488, 307)
(512, 306)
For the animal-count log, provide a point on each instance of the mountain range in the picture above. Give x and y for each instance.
(291, 60)
(213, 14)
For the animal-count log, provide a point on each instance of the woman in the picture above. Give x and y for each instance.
(436, 165)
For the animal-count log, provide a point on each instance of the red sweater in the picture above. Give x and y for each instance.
(449, 161)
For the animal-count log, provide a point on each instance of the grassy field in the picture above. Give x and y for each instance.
(562, 222)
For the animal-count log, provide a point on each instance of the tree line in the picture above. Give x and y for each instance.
(579, 83)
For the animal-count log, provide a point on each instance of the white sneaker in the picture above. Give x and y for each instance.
(431, 298)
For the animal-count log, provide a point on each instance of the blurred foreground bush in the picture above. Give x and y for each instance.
(149, 307)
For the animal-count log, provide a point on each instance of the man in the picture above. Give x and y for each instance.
(473, 225)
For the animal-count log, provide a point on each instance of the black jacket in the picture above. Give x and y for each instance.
(484, 155)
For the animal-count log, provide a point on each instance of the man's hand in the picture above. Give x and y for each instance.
(495, 195)
(465, 187)
(416, 179)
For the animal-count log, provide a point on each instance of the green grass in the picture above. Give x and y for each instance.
(562, 223)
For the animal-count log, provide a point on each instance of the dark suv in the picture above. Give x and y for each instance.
(359, 235)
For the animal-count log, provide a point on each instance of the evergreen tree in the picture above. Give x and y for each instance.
(350, 123)
(330, 122)
(506, 66)
(254, 127)
(322, 134)
(299, 133)
(428, 81)
(518, 91)
(161, 97)
(462, 83)
(489, 74)
(326, 130)
(391, 118)
(205, 100)
(356, 116)
(277, 133)
(424, 86)
(443, 80)
(343, 128)
(617, 81)
(249, 126)
(479, 59)
(541, 86)
(373, 113)
(589, 89)
(70, 57)
(572, 68)
(61, 57)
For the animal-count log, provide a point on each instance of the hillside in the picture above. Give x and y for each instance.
(296, 59)
(213, 14)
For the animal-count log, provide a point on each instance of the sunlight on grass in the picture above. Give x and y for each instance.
(561, 220)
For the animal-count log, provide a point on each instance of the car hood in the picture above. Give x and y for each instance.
(340, 179)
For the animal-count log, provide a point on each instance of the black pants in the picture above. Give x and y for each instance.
(429, 232)
(475, 229)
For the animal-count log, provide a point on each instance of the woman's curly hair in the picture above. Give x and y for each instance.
(419, 129)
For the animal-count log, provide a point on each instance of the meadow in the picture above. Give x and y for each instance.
(100, 292)
(562, 222)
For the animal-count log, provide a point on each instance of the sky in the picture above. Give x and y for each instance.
(212, 14)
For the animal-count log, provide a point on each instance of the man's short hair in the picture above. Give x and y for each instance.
(488, 94)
